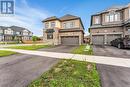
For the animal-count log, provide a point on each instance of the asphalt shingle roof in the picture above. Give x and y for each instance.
(50, 18)
(68, 17)
(113, 8)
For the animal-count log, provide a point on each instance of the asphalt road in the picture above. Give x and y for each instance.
(113, 76)
(19, 70)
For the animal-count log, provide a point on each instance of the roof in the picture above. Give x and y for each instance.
(64, 18)
(49, 30)
(70, 30)
(115, 8)
(15, 28)
(68, 17)
(50, 18)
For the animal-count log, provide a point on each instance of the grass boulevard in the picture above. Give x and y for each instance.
(70, 73)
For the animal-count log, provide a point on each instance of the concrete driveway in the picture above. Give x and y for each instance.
(19, 70)
(113, 76)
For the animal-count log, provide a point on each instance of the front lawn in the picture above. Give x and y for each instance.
(30, 47)
(70, 73)
(6, 53)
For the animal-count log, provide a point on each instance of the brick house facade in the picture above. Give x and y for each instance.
(67, 30)
(110, 24)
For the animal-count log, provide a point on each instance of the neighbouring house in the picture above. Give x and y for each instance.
(87, 39)
(110, 24)
(14, 33)
(66, 30)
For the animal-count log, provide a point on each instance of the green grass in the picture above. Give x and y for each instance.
(31, 47)
(81, 50)
(6, 53)
(70, 73)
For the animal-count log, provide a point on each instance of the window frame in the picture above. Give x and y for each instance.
(97, 20)
(53, 24)
(129, 13)
(49, 34)
(72, 24)
(47, 25)
(111, 18)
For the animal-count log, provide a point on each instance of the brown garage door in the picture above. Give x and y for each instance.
(98, 39)
(70, 40)
(112, 37)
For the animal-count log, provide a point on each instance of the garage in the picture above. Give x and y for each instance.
(70, 40)
(98, 39)
(112, 37)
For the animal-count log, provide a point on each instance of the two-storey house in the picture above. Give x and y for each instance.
(14, 33)
(110, 24)
(66, 30)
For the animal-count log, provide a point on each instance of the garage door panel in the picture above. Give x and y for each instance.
(112, 37)
(98, 39)
(70, 40)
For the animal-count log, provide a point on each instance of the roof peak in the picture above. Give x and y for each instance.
(65, 17)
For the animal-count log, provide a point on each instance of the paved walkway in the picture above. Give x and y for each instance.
(96, 59)
(21, 69)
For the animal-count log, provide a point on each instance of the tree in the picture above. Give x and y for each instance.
(34, 38)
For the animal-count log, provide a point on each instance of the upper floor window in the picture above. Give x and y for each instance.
(129, 12)
(52, 24)
(97, 20)
(64, 25)
(107, 18)
(71, 24)
(25, 32)
(112, 17)
(46, 25)
(1, 31)
(128, 30)
(17, 33)
(8, 31)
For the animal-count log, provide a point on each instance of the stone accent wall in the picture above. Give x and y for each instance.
(53, 41)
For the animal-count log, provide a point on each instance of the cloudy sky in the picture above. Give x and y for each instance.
(30, 13)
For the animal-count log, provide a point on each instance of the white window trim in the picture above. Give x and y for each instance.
(111, 17)
(97, 20)
(129, 12)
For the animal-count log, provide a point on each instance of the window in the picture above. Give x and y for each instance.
(128, 30)
(111, 17)
(129, 12)
(97, 20)
(49, 35)
(71, 24)
(107, 18)
(64, 25)
(52, 24)
(116, 17)
(1, 31)
(46, 25)
(17, 33)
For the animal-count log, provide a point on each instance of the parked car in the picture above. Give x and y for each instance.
(121, 43)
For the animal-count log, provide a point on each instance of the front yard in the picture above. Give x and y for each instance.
(31, 47)
(6, 53)
(70, 73)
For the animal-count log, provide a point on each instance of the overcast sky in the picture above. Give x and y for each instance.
(30, 13)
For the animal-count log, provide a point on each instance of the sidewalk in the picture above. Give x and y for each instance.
(96, 59)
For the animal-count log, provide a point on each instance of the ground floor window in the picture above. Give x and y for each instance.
(49, 35)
